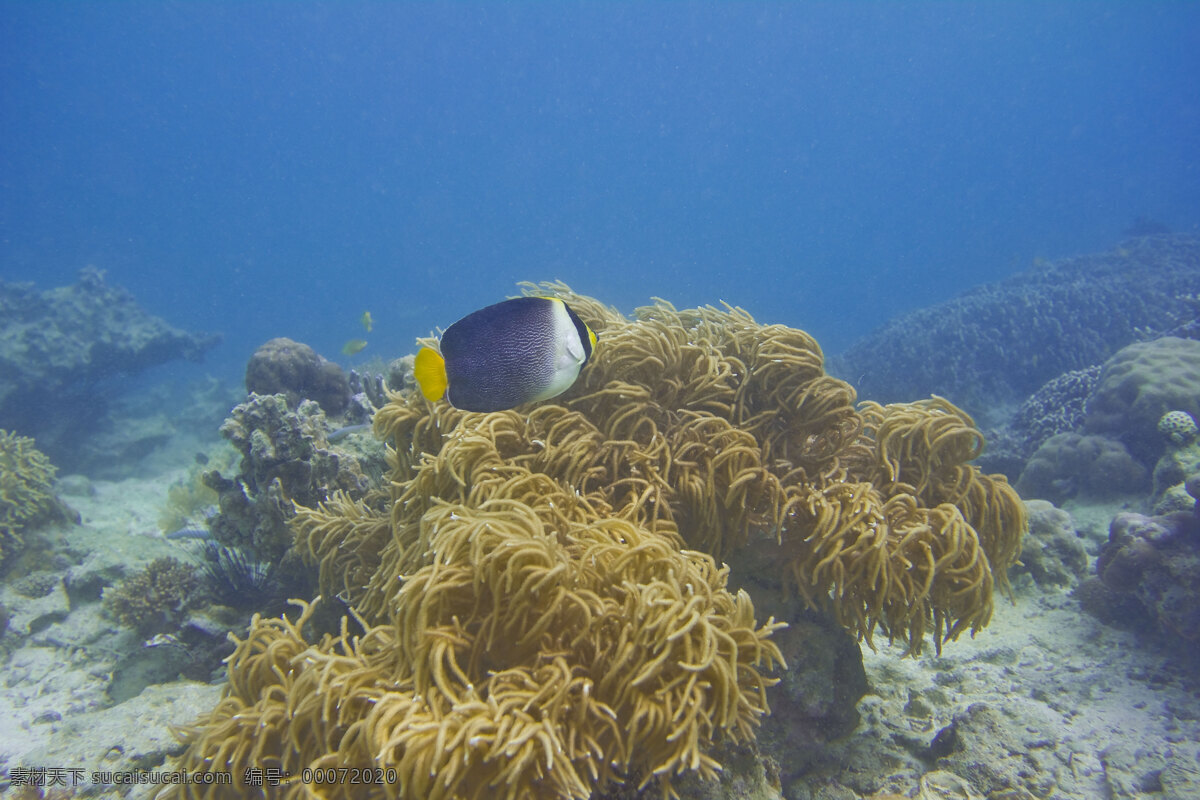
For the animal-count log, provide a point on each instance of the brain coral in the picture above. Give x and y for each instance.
(545, 615)
(1072, 464)
(1140, 384)
(1178, 427)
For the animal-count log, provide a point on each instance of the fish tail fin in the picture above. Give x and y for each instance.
(430, 371)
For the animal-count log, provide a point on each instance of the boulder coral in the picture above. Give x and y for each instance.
(1156, 561)
(1057, 407)
(295, 370)
(1071, 465)
(1179, 464)
(1052, 553)
(544, 611)
(1140, 384)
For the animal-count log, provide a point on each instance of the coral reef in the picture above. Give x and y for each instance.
(1052, 552)
(1057, 407)
(156, 599)
(1156, 561)
(295, 370)
(998, 343)
(1140, 384)
(816, 699)
(189, 502)
(26, 492)
(286, 459)
(544, 614)
(1098, 431)
(1177, 471)
(1072, 464)
(57, 346)
(371, 384)
(1178, 426)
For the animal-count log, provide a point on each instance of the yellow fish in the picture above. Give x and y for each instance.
(354, 346)
(367, 322)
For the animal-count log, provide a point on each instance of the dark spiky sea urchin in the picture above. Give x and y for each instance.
(235, 579)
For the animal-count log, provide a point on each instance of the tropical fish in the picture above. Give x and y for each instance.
(190, 533)
(518, 351)
(342, 433)
(353, 346)
(366, 320)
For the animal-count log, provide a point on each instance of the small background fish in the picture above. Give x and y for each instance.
(353, 346)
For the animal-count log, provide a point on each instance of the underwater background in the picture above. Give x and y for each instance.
(266, 169)
(948, 470)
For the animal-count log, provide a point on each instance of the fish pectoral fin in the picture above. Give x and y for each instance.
(575, 350)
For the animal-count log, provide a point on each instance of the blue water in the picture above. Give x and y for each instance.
(276, 169)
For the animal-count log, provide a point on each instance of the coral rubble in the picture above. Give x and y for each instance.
(544, 616)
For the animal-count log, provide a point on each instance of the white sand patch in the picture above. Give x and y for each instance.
(1094, 711)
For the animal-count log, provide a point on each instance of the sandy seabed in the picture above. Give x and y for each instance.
(1045, 702)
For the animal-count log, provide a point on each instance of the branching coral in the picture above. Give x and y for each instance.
(156, 599)
(537, 625)
(26, 495)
